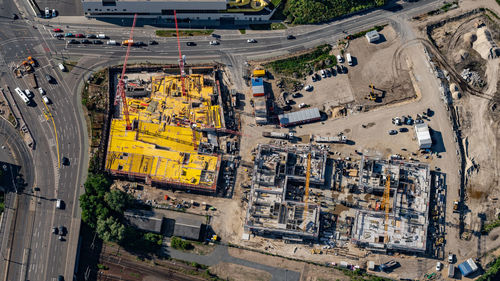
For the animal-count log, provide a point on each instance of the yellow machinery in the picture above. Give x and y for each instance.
(308, 177)
(386, 202)
(372, 95)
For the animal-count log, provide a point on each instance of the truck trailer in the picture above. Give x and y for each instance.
(276, 135)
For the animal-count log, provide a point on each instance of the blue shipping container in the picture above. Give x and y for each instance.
(257, 82)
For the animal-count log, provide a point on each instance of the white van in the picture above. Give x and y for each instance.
(59, 204)
(349, 58)
(111, 42)
(340, 59)
(101, 36)
(61, 67)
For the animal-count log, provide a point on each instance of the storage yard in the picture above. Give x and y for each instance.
(338, 167)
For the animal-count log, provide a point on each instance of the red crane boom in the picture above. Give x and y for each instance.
(181, 61)
(121, 84)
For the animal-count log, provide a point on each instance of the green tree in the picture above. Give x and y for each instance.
(92, 201)
(110, 229)
(117, 200)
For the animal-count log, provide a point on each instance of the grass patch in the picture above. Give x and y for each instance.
(298, 66)
(493, 269)
(180, 244)
(277, 26)
(2, 200)
(184, 33)
(242, 31)
(378, 28)
(69, 65)
(490, 226)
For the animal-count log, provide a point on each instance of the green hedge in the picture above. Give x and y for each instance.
(317, 11)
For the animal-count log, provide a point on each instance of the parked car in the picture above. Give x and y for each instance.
(79, 35)
(308, 88)
(91, 36)
(393, 132)
(97, 42)
(55, 230)
(45, 99)
(340, 59)
(439, 266)
(403, 130)
(62, 230)
(58, 35)
(190, 43)
(451, 257)
(302, 105)
(73, 41)
(69, 34)
(251, 41)
(214, 42)
(140, 44)
(41, 91)
(54, 13)
(47, 12)
(49, 78)
(57, 30)
(86, 41)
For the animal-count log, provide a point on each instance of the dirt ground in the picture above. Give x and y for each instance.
(236, 272)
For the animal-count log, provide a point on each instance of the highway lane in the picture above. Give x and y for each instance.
(47, 257)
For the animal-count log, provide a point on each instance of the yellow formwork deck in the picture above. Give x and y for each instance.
(162, 146)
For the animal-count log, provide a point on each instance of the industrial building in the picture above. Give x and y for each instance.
(403, 226)
(169, 130)
(224, 11)
(423, 136)
(278, 204)
(299, 117)
(372, 36)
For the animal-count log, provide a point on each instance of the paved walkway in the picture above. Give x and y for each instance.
(221, 254)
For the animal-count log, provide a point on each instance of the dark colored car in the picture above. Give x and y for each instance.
(85, 41)
(65, 161)
(339, 69)
(73, 41)
(190, 43)
(91, 36)
(14, 17)
(60, 278)
(153, 42)
(140, 44)
(97, 42)
(403, 130)
(393, 132)
(290, 37)
(62, 230)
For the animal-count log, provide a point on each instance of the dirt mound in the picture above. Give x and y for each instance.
(460, 56)
(485, 45)
(470, 38)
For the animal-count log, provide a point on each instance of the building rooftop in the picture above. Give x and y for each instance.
(144, 220)
(187, 228)
(301, 116)
(167, 131)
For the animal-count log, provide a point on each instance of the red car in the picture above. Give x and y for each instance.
(57, 30)
(79, 35)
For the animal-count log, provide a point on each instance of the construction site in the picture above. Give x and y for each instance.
(168, 135)
(279, 201)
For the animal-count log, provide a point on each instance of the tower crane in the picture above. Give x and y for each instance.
(306, 191)
(181, 58)
(121, 83)
(386, 202)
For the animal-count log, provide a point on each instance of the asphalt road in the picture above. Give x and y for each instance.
(36, 253)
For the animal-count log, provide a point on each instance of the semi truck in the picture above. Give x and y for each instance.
(336, 139)
(276, 135)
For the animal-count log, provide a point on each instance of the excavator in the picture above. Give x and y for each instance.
(372, 95)
(27, 66)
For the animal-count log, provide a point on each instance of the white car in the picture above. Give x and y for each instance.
(251, 41)
(29, 94)
(45, 99)
(42, 92)
(340, 59)
(308, 88)
(439, 266)
(47, 12)
(450, 256)
(302, 105)
(54, 13)
(214, 42)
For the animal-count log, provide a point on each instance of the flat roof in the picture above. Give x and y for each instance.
(372, 34)
(423, 134)
(299, 116)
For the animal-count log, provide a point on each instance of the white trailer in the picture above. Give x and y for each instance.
(22, 95)
(349, 59)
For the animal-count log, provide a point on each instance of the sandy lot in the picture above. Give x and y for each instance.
(236, 272)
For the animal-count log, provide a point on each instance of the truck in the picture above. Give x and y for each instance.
(386, 267)
(276, 135)
(101, 36)
(111, 42)
(349, 58)
(451, 271)
(32, 80)
(22, 95)
(125, 42)
(336, 139)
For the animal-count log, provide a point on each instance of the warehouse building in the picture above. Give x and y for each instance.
(225, 11)
(423, 136)
(299, 117)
